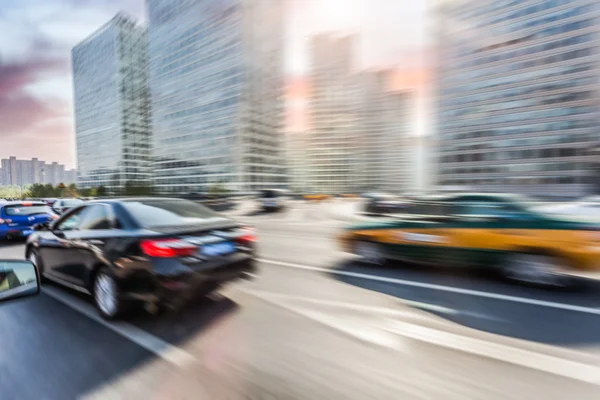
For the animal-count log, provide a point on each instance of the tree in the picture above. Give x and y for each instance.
(136, 189)
(71, 191)
(37, 190)
(11, 192)
(101, 191)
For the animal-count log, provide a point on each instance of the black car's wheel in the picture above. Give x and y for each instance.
(107, 296)
(34, 257)
(370, 253)
(536, 269)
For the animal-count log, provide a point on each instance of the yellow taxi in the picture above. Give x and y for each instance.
(317, 196)
(506, 232)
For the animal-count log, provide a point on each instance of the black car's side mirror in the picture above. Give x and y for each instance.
(18, 278)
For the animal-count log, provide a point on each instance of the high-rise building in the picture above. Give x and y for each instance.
(518, 95)
(333, 145)
(383, 143)
(27, 172)
(216, 80)
(112, 105)
(297, 163)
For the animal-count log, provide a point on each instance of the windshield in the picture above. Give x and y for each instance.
(168, 212)
(19, 209)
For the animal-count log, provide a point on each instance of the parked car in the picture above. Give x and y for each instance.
(490, 231)
(63, 205)
(154, 251)
(49, 201)
(17, 218)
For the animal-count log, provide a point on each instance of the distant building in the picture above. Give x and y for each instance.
(383, 142)
(216, 69)
(517, 97)
(333, 143)
(296, 161)
(27, 172)
(112, 116)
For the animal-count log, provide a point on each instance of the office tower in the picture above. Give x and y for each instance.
(216, 85)
(333, 110)
(296, 161)
(517, 95)
(383, 140)
(112, 106)
(27, 172)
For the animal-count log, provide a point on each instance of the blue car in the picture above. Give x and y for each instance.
(17, 218)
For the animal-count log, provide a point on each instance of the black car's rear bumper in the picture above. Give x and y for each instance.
(173, 283)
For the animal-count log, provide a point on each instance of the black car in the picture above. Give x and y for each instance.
(61, 206)
(381, 203)
(157, 251)
(49, 201)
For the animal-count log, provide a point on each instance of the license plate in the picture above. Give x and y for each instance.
(27, 232)
(217, 249)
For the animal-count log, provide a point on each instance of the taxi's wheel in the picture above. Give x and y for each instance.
(370, 253)
(537, 269)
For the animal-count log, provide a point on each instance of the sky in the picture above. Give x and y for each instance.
(36, 105)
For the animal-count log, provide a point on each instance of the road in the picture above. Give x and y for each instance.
(315, 325)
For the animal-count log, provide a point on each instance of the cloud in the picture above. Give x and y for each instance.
(35, 72)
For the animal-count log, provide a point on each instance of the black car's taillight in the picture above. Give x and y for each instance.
(248, 236)
(168, 248)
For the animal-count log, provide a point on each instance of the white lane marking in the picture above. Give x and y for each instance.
(509, 354)
(344, 325)
(452, 289)
(155, 345)
(354, 306)
(380, 335)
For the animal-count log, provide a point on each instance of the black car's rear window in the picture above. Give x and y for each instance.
(167, 212)
(72, 203)
(18, 209)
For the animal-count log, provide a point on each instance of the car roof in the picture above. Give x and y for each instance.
(471, 197)
(127, 199)
(19, 202)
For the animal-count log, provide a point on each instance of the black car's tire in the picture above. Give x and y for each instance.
(34, 257)
(107, 296)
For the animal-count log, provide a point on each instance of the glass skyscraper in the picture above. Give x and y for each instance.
(334, 153)
(216, 85)
(112, 113)
(518, 95)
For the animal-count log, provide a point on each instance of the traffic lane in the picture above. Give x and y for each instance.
(512, 318)
(51, 351)
(13, 249)
(265, 351)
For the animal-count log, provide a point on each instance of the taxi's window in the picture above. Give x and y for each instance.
(489, 209)
(430, 208)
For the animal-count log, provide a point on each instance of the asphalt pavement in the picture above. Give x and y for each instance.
(316, 324)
